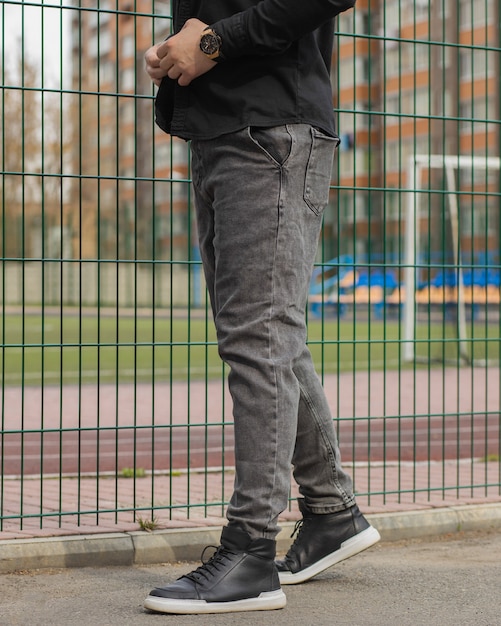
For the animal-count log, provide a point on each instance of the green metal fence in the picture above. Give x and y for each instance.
(114, 408)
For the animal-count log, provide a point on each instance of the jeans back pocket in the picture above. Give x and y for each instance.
(319, 170)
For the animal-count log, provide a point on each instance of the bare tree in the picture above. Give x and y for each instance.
(33, 147)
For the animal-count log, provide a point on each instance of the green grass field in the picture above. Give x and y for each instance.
(65, 349)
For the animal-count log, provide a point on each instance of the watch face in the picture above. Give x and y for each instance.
(209, 43)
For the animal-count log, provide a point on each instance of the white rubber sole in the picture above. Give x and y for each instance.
(350, 547)
(267, 601)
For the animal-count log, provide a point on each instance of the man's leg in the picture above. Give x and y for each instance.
(325, 486)
(240, 206)
(332, 528)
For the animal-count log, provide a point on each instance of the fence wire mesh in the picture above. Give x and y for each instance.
(114, 406)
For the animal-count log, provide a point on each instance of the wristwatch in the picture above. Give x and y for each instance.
(210, 44)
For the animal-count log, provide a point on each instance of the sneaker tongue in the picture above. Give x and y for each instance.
(303, 508)
(235, 539)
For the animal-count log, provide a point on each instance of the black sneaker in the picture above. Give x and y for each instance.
(241, 576)
(324, 540)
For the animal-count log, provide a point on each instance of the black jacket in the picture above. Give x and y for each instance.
(276, 68)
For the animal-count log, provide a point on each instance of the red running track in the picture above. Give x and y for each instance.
(453, 413)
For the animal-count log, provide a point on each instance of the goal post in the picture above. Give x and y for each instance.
(450, 164)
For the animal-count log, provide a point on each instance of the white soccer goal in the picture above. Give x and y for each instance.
(426, 162)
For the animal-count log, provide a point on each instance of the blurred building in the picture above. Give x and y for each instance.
(406, 81)
(410, 79)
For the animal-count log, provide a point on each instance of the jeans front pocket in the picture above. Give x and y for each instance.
(275, 142)
(319, 170)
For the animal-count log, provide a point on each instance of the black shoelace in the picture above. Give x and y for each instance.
(214, 564)
(299, 527)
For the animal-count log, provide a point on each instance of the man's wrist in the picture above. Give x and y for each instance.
(211, 44)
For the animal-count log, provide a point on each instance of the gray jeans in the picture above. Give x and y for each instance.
(259, 195)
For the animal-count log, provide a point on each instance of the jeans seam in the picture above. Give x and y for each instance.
(271, 339)
(327, 443)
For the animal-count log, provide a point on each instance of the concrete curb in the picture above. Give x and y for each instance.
(163, 546)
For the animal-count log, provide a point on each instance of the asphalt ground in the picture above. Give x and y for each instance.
(452, 579)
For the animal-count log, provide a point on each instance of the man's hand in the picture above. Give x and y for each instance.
(153, 69)
(179, 57)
